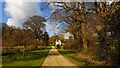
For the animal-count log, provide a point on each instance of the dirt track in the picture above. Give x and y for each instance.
(56, 59)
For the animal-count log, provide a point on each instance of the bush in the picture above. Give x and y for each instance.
(73, 45)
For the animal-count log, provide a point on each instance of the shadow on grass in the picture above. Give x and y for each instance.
(29, 55)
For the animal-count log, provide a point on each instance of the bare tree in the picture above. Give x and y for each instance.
(35, 24)
(74, 14)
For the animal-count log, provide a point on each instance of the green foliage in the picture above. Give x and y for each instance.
(32, 58)
(114, 28)
(109, 37)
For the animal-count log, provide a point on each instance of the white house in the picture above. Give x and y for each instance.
(58, 42)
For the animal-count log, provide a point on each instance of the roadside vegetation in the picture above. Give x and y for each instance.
(94, 27)
(31, 58)
(25, 46)
(76, 59)
(30, 36)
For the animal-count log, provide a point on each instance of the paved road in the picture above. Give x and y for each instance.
(56, 59)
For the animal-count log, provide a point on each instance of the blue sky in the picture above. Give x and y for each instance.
(4, 15)
(0, 11)
(45, 12)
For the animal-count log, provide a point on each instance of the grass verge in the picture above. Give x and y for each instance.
(31, 58)
(74, 58)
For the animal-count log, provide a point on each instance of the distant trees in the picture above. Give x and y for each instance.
(15, 37)
(52, 39)
(36, 26)
(7, 37)
(26, 38)
(46, 38)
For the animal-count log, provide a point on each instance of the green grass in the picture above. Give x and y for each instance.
(32, 58)
(75, 58)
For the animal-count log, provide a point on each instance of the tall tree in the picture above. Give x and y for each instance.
(83, 26)
(105, 12)
(35, 24)
(74, 14)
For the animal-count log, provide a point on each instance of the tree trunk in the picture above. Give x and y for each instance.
(109, 60)
(83, 27)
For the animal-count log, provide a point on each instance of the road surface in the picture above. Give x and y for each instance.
(54, 58)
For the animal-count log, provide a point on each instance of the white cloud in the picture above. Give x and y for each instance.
(19, 11)
(11, 22)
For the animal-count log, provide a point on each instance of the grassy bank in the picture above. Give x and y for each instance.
(31, 58)
(74, 58)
